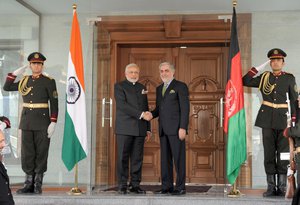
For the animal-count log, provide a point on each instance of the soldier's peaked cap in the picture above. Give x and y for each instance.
(276, 53)
(36, 57)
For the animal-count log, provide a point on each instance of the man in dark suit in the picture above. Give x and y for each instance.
(38, 92)
(6, 197)
(272, 116)
(131, 129)
(172, 108)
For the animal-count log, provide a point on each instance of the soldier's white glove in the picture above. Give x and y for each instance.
(262, 66)
(2, 125)
(20, 70)
(51, 129)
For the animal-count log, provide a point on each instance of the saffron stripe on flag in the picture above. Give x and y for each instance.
(74, 146)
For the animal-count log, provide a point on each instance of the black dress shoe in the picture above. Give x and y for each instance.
(122, 190)
(137, 190)
(179, 192)
(164, 191)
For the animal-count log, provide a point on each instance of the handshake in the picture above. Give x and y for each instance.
(147, 116)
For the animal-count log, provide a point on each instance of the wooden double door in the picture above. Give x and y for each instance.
(198, 47)
(203, 70)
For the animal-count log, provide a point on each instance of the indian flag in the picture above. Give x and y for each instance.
(234, 119)
(74, 146)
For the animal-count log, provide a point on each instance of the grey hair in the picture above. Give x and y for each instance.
(171, 66)
(131, 65)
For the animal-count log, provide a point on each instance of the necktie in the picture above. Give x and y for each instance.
(164, 89)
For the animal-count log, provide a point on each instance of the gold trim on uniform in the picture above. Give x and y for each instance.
(265, 86)
(23, 88)
(35, 105)
(273, 105)
(55, 94)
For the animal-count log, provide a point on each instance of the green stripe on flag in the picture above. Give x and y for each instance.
(72, 149)
(236, 145)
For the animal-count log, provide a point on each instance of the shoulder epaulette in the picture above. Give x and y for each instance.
(47, 76)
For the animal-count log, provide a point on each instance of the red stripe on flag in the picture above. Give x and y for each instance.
(234, 94)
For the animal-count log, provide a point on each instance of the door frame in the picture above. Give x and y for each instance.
(169, 29)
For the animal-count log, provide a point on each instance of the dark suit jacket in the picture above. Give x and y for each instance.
(5, 192)
(131, 101)
(268, 117)
(43, 90)
(173, 109)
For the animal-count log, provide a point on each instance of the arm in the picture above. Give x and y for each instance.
(249, 80)
(148, 122)
(155, 112)
(53, 98)
(121, 103)
(10, 84)
(293, 94)
(183, 95)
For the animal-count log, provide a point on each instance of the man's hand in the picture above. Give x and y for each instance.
(147, 116)
(285, 133)
(4, 123)
(20, 70)
(181, 133)
(51, 129)
(148, 137)
(262, 66)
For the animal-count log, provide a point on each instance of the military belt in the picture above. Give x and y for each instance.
(273, 105)
(35, 105)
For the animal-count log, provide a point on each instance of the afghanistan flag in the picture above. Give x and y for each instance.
(74, 146)
(234, 122)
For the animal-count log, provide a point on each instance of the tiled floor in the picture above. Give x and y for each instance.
(216, 195)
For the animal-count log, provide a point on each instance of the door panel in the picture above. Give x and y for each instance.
(202, 69)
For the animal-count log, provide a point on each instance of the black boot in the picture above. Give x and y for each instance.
(28, 185)
(281, 187)
(271, 190)
(38, 182)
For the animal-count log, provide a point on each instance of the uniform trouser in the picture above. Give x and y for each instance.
(130, 148)
(172, 148)
(34, 151)
(274, 143)
(297, 159)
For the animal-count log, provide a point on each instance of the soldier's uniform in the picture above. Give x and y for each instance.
(294, 132)
(273, 120)
(38, 93)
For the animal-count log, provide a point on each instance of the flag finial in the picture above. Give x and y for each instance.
(234, 3)
(74, 6)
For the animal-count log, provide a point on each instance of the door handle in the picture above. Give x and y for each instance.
(221, 111)
(110, 112)
(104, 102)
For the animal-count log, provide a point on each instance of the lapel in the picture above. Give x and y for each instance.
(169, 88)
(3, 170)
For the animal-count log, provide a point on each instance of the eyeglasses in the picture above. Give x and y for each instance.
(133, 72)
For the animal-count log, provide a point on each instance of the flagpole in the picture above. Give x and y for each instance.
(75, 190)
(234, 3)
(234, 193)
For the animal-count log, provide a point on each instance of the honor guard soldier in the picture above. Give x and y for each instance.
(6, 198)
(37, 123)
(272, 116)
(294, 132)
